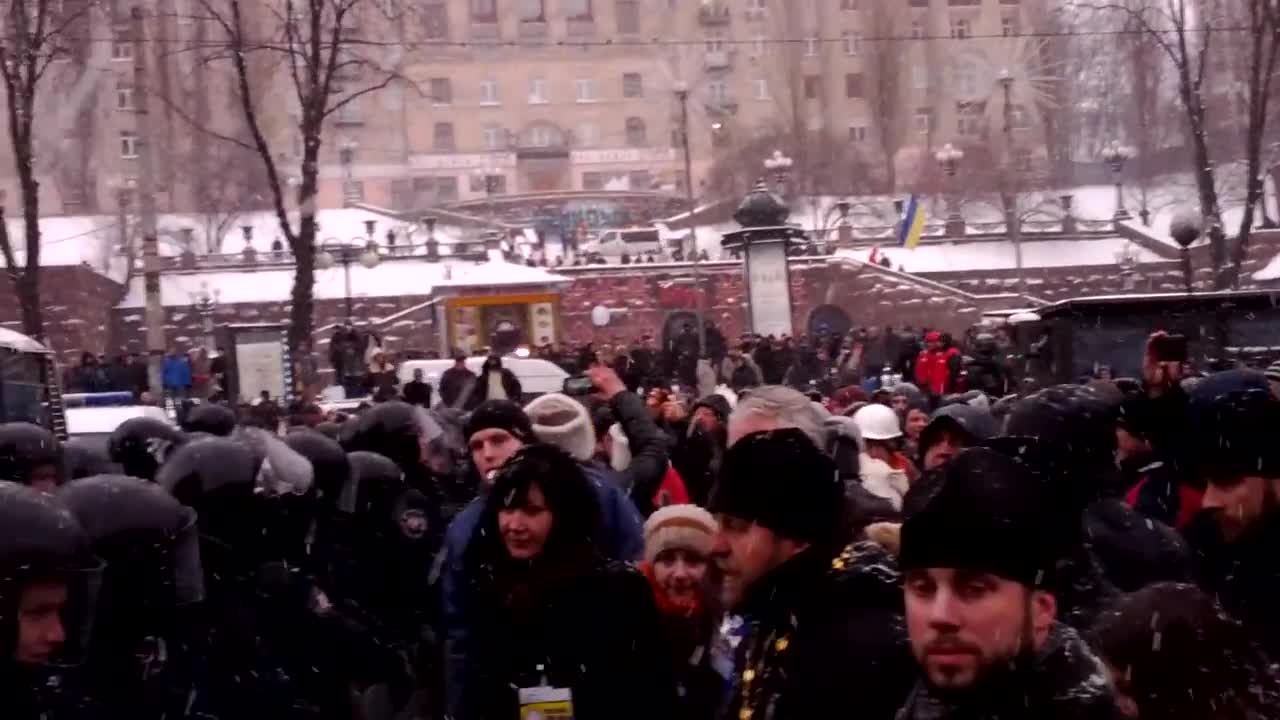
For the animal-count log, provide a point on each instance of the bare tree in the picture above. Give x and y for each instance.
(884, 65)
(326, 66)
(34, 36)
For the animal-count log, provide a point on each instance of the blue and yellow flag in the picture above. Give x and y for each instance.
(912, 227)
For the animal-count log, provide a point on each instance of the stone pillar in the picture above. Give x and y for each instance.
(1068, 218)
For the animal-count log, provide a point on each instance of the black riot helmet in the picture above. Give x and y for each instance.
(142, 444)
(44, 559)
(215, 477)
(329, 462)
(149, 543)
(30, 454)
(395, 430)
(211, 418)
(86, 457)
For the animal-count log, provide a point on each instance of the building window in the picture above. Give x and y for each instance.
(442, 137)
(495, 137)
(811, 47)
(762, 89)
(922, 120)
(121, 49)
(1009, 25)
(640, 179)
(852, 41)
(124, 97)
(128, 144)
(578, 9)
(632, 85)
(436, 20)
(628, 14)
(637, 135)
(812, 87)
(587, 135)
(717, 92)
(484, 11)
(758, 5)
(354, 190)
(960, 28)
(441, 91)
(489, 92)
(542, 136)
(757, 46)
(853, 85)
(715, 44)
(917, 30)
(857, 133)
(592, 181)
(489, 184)
(537, 91)
(401, 194)
(586, 90)
(969, 120)
(532, 11)
(1022, 160)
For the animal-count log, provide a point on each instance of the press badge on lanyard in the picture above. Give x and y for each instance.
(545, 702)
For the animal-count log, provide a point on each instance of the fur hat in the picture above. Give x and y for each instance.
(687, 527)
(782, 481)
(562, 421)
(502, 414)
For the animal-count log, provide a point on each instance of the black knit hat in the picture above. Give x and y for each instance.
(779, 479)
(501, 414)
(716, 403)
(984, 512)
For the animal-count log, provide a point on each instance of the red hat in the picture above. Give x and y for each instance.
(933, 336)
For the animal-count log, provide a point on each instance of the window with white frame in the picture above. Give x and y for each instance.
(124, 96)
(586, 90)
(1009, 25)
(587, 135)
(715, 44)
(857, 133)
(965, 75)
(919, 77)
(489, 92)
(541, 136)
(922, 120)
(762, 89)
(495, 137)
(717, 92)
(852, 41)
(637, 133)
(538, 91)
(811, 46)
(960, 28)
(121, 48)
(441, 91)
(129, 144)
(917, 30)
(632, 85)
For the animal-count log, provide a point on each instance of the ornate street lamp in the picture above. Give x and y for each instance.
(205, 304)
(1115, 155)
(1185, 229)
(334, 251)
(949, 157)
(780, 166)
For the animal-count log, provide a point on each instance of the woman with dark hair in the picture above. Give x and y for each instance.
(557, 628)
(1173, 654)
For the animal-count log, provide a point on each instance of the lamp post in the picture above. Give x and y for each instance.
(1115, 155)
(779, 165)
(205, 304)
(1013, 224)
(346, 157)
(433, 248)
(681, 89)
(1185, 229)
(949, 157)
(358, 249)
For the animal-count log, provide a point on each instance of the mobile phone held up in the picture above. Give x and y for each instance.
(578, 386)
(1169, 348)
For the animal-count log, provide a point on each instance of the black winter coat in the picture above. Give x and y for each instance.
(1244, 575)
(594, 631)
(1065, 681)
(649, 450)
(453, 383)
(825, 639)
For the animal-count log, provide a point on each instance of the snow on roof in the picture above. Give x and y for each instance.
(1269, 272)
(392, 278)
(70, 240)
(999, 254)
(13, 340)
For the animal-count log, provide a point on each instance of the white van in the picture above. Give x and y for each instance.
(632, 241)
(536, 376)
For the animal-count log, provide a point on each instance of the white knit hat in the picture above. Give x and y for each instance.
(687, 527)
(562, 421)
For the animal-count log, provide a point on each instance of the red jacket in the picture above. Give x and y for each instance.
(933, 370)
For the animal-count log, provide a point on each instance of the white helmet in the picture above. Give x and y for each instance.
(877, 422)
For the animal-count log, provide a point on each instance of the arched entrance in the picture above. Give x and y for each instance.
(829, 319)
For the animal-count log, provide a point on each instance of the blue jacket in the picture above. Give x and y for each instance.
(176, 371)
(622, 538)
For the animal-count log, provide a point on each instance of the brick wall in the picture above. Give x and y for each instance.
(77, 309)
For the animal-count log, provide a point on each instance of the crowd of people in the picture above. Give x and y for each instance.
(919, 552)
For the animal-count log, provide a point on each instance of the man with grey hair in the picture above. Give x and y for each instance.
(774, 407)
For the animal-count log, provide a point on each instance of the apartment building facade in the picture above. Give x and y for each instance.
(529, 96)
